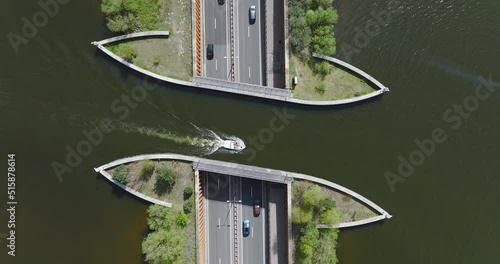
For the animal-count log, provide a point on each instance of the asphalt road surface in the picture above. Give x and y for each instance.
(217, 33)
(218, 219)
(249, 56)
(253, 246)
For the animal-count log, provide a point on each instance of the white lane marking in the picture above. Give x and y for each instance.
(248, 71)
(251, 191)
(219, 261)
(219, 223)
(215, 23)
(252, 231)
(216, 69)
(248, 31)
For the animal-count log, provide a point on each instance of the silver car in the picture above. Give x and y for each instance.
(252, 14)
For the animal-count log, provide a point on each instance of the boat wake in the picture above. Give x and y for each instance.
(208, 142)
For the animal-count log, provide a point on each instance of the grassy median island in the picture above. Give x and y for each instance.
(310, 206)
(336, 84)
(313, 204)
(172, 231)
(171, 56)
(311, 24)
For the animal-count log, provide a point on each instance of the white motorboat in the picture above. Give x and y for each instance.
(233, 145)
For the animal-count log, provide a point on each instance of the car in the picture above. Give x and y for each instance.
(256, 208)
(252, 14)
(221, 2)
(210, 51)
(246, 228)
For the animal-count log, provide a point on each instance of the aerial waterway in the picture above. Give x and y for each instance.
(194, 139)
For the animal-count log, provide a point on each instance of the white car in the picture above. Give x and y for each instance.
(252, 14)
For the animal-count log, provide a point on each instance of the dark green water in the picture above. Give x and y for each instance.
(430, 54)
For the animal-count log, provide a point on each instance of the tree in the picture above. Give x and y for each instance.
(188, 206)
(323, 41)
(325, 252)
(322, 68)
(120, 175)
(159, 217)
(326, 204)
(188, 191)
(163, 246)
(165, 180)
(301, 215)
(330, 217)
(308, 242)
(312, 196)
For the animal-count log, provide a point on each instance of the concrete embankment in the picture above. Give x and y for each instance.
(240, 88)
(278, 176)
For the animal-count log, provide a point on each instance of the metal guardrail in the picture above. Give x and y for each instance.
(231, 37)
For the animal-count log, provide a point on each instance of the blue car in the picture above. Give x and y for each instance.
(246, 228)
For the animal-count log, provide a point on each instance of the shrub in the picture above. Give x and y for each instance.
(165, 180)
(126, 51)
(188, 206)
(120, 175)
(181, 220)
(156, 60)
(326, 204)
(323, 68)
(188, 191)
(147, 169)
(320, 88)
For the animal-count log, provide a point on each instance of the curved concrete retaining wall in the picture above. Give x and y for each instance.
(134, 192)
(352, 68)
(278, 178)
(222, 88)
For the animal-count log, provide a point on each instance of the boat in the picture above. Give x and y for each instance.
(233, 145)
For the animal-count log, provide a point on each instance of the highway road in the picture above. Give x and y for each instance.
(253, 246)
(249, 42)
(216, 31)
(218, 223)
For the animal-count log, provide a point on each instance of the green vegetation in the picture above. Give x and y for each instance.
(188, 206)
(338, 83)
(311, 30)
(188, 191)
(165, 179)
(311, 27)
(147, 169)
(310, 206)
(182, 219)
(172, 231)
(156, 60)
(120, 175)
(136, 176)
(131, 15)
(171, 56)
(124, 50)
(171, 237)
(320, 88)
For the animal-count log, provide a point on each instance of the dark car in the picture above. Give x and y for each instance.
(252, 14)
(210, 51)
(221, 2)
(256, 207)
(246, 228)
